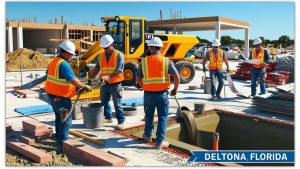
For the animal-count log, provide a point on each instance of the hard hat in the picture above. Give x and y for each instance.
(257, 41)
(155, 41)
(106, 41)
(68, 46)
(216, 42)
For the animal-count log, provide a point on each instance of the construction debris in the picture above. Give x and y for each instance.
(25, 59)
(281, 101)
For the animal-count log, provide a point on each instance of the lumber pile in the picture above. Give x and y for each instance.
(281, 101)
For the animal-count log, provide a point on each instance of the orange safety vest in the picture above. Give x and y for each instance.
(55, 85)
(108, 67)
(260, 57)
(215, 63)
(155, 73)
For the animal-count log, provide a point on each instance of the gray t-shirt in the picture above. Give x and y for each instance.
(120, 64)
(172, 70)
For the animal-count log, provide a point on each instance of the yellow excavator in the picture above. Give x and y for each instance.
(130, 38)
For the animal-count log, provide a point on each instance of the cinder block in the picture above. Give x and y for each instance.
(91, 155)
(29, 151)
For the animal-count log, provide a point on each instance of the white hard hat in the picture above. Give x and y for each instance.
(216, 42)
(155, 41)
(106, 41)
(68, 46)
(257, 41)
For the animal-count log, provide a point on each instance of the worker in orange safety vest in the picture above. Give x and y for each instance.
(60, 86)
(153, 75)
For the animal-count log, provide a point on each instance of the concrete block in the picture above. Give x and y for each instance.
(25, 138)
(29, 151)
(91, 155)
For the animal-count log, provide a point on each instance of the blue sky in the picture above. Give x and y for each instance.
(267, 19)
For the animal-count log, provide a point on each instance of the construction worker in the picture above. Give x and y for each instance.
(258, 70)
(111, 65)
(61, 85)
(153, 75)
(216, 57)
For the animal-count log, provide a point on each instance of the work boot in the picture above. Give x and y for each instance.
(213, 98)
(120, 125)
(162, 145)
(146, 138)
(105, 120)
(219, 97)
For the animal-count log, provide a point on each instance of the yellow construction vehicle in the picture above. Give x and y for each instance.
(130, 38)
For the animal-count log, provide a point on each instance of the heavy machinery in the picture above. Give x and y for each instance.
(130, 38)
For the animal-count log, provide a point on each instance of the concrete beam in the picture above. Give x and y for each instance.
(246, 42)
(19, 37)
(10, 39)
(91, 35)
(217, 30)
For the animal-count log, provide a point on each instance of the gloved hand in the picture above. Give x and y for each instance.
(173, 92)
(227, 70)
(87, 88)
(104, 79)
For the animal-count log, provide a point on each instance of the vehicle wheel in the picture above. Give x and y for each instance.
(186, 71)
(129, 74)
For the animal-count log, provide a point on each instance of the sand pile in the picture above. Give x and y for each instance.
(28, 58)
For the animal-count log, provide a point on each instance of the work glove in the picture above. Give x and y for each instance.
(87, 88)
(227, 70)
(104, 79)
(173, 92)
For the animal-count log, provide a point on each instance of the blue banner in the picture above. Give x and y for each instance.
(244, 156)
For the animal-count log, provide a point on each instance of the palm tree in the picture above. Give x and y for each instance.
(226, 40)
(284, 40)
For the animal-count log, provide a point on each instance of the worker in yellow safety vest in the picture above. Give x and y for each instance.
(216, 57)
(153, 75)
(111, 65)
(258, 70)
(60, 86)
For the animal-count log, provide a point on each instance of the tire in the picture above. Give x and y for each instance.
(129, 73)
(186, 71)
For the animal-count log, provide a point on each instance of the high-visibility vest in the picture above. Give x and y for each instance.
(155, 73)
(55, 85)
(215, 62)
(260, 57)
(108, 67)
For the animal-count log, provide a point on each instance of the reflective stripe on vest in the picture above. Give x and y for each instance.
(259, 57)
(109, 67)
(155, 73)
(55, 85)
(215, 63)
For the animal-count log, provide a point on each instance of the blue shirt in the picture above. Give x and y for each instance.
(120, 64)
(172, 70)
(66, 72)
(266, 56)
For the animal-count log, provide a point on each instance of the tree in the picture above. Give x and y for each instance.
(284, 40)
(226, 40)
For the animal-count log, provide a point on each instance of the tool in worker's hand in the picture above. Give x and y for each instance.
(178, 113)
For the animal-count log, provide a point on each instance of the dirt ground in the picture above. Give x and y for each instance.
(13, 158)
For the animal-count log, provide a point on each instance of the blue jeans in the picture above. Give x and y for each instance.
(161, 102)
(261, 74)
(113, 90)
(61, 129)
(219, 74)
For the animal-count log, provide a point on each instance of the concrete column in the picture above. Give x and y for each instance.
(20, 37)
(174, 29)
(91, 34)
(218, 30)
(66, 33)
(10, 39)
(179, 32)
(246, 42)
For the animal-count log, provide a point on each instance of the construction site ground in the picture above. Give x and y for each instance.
(138, 153)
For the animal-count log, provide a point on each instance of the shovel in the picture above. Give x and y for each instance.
(178, 113)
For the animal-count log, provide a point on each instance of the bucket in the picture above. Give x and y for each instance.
(207, 86)
(77, 114)
(130, 111)
(199, 107)
(93, 114)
